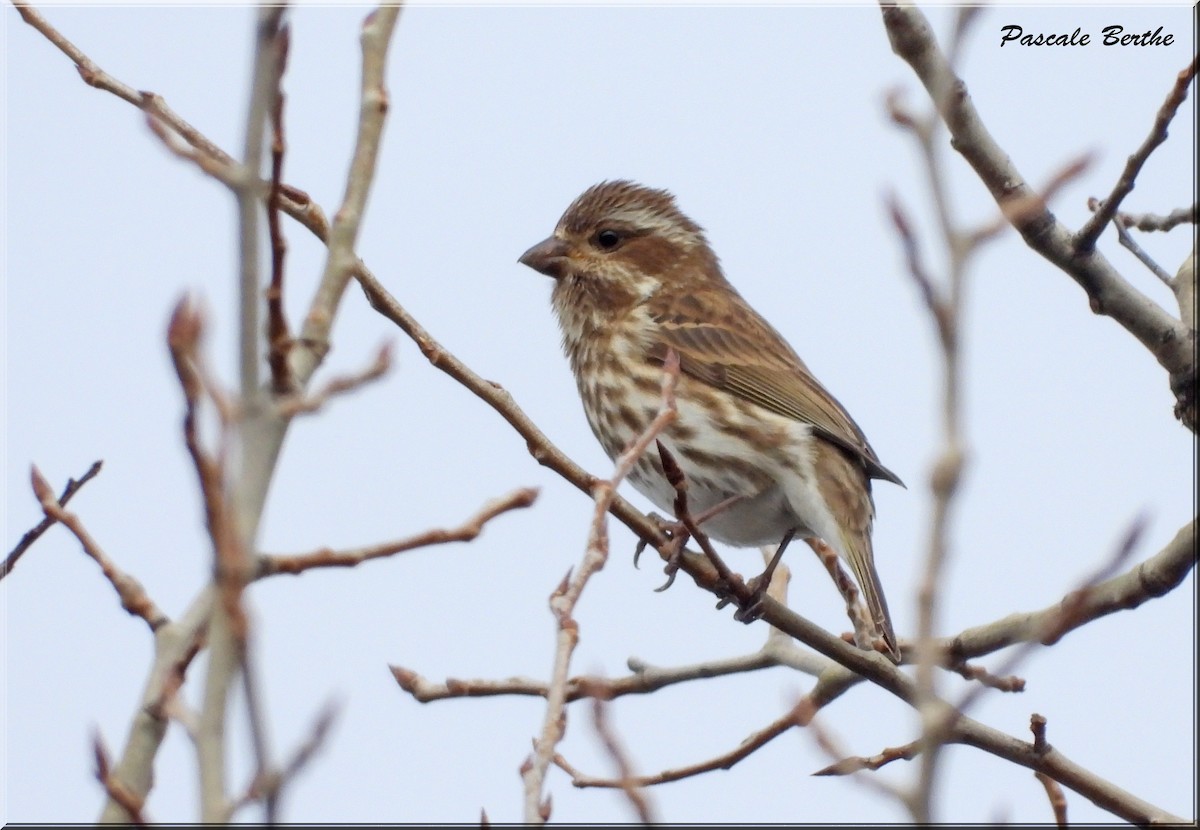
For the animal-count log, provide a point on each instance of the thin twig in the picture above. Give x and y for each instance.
(726, 760)
(1154, 577)
(1003, 683)
(34, 533)
(1154, 222)
(92, 75)
(1127, 240)
(1085, 240)
(638, 799)
(855, 763)
(341, 260)
(564, 598)
(299, 404)
(1018, 209)
(1069, 614)
(133, 596)
(270, 564)
(1058, 799)
(643, 680)
(268, 785)
(733, 588)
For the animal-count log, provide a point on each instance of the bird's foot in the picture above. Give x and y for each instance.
(751, 608)
(677, 535)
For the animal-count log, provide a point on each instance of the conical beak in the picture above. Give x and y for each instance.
(548, 257)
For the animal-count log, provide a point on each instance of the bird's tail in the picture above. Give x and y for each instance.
(859, 554)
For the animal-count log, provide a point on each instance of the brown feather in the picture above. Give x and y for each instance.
(847, 492)
(737, 351)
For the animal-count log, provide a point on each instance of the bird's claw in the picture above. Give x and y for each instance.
(677, 537)
(671, 568)
(751, 608)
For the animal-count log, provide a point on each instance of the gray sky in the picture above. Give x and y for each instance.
(768, 123)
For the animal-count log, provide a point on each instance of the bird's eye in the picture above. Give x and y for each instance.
(608, 239)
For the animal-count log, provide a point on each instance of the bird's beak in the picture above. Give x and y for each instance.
(548, 257)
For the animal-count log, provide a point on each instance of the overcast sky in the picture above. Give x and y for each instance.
(769, 125)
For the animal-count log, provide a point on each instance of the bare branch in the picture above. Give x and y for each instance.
(271, 564)
(1058, 799)
(342, 260)
(564, 598)
(643, 680)
(1128, 242)
(1172, 344)
(1017, 210)
(1152, 221)
(175, 645)
(1184, 286)
(797, 716)
(268, 785)
(638, 800)
(134, 598)
(1003, 683)
(916, 269)
(298, 404)
(1037, 725)
(92, 75)
(35, 533)
(847, 766)
(131, 803)
(1085, 240)
(1155, 577)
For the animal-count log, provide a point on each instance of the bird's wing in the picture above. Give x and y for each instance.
(737, 351)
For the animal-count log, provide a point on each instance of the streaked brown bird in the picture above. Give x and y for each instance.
(634, 279)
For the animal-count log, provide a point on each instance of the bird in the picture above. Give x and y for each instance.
(635, 279)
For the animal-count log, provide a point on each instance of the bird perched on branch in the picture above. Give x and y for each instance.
(636, 279)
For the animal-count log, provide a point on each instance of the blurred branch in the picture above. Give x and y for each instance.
(944, 301)
(342, 261)
(1152, 221)
(829, 686)
(34, 533)
(627, 780)
(1171, 343)
(264, 82)
(292, 405)
(271, 564)
(268, 785)
(263, 430)
(175, 645)
(134, 598)
(279, 338)
(227, 625)
(1058, 799)
(131, 803)
(945, 305)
